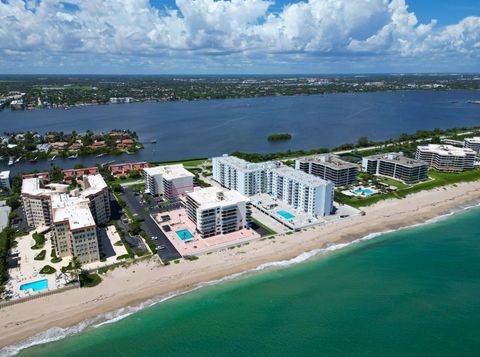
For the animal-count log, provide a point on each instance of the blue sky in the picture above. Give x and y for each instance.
(239, 36)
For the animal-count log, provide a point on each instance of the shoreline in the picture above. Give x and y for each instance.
(145, 283)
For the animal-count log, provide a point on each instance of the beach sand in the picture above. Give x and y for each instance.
(147, 280)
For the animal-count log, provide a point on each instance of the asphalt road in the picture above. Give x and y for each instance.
(149, 226)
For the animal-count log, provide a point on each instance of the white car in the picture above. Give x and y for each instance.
(154, 238)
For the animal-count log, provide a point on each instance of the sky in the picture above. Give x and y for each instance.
(239, 36)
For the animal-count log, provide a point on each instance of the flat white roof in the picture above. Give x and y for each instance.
(169, 172)
(446, 150)
(73, 209)
(4, 175)
(474, 140)
(300, 176)
(210, 197)
(93, 184)
(244, 166)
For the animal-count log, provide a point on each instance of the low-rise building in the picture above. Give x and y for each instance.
(329, 167)
(43, 147)
(446, 157)
(168, 181)
(472, 143)
(73, 174)
(5, 179)
(397, 166)
(119, 170)
(218, 211)
(59, 145)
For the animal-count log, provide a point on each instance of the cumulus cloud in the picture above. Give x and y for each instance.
(235, 31)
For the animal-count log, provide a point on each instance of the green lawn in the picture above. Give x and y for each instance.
(189, 163)
(392, 182)
(439, 179)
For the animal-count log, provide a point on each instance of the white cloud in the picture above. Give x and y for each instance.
(234, 31)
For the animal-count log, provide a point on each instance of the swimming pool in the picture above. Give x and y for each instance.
(286, 215)
(38, 285)
(366, 191)
(184, 234)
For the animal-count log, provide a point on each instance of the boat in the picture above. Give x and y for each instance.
(73, 157)
(11, 161)
(153, 141)
(129, 153)
(34, 159)
(474, 101)
(53, 158)
(18, 160)
(100, 155)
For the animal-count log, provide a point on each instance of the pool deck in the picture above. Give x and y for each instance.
(197, 245)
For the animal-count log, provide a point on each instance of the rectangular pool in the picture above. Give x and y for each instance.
(38, 285)
(286, 215)
(184, 234)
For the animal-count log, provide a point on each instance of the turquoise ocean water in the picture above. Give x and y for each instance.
(409, 293)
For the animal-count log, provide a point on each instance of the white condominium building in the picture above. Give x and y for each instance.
(96, 191)
(169, 181)
(73, 216)
(297, 188)
(472, 143)
(218, 211)
(302, 191)
(74, 229)
(446, 157)
(396, 166)
(329, 167)
(5, 179)
(240, 175)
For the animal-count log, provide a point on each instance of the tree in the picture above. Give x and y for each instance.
(134, 174)
(135, 228)
(363, 141)
(76, 267)
(436, 140)
(78, 166)
(56, 174)
(13, 201)
(116, 187)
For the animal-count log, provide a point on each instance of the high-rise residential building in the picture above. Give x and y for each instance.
(472, 143)
(302, 191)
(240, 175)
(169, 181)
(329, 167)
(74, 228)
(73, 216)
(298, 189)
(396, 166)
(446, 157)
(218, 211)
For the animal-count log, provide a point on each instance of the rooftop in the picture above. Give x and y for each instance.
(474, 140)
(169, 172)
(34, 186)
(242, 165)
(93, 184)
(210, 197)
(329, 160)
(398, 158)
(300, 176)
(446, 150)
(75, 210)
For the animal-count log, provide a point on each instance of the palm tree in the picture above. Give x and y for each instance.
(76, 268)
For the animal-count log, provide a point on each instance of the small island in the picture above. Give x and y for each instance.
(281, 136)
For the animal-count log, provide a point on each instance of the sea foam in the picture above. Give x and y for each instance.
(58, 333)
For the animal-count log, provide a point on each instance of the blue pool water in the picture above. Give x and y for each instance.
(38, 285)
(286, 215)
(184, 234)
(366, 191)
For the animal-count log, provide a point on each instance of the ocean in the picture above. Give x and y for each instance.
(412, 292)
(207, 128)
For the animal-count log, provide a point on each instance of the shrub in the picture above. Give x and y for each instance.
(125, 256)
(118, 243)
(41, 255)
(39, 239)
(56, 260)
(89, 280)
(47, 269)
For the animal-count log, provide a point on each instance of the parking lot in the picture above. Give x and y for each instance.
(165, 250)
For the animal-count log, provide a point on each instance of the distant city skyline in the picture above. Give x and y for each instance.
(239, 36)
